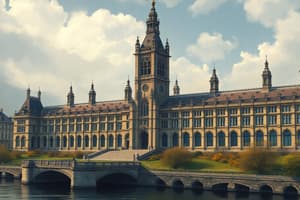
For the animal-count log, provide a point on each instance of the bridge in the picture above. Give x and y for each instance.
(10, 171)
(95, 174)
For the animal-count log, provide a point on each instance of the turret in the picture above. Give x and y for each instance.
(128, 91)
(70, 97)
(167, 47)
(267, 77)
(39, 94)
(92, 95)
(137, 45)
(176, 88)
(28, 93)
(214, 83)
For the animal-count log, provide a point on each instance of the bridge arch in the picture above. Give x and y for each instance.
(178, 184)
(52, 176)
(10, 173)
(290, 191)
(266, 189)
(219, 187)
(117, 178)
(159, 183)
(197, 186)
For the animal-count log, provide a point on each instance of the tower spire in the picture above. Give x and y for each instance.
(267, 77)
(176, 88)
(214, 82)
(92, 95)
(70, 97)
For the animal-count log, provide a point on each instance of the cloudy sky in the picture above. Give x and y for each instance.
(52, 44)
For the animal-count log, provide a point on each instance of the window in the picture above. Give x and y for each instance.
(102, 126)
(86, 141)
(175, 139)
(245, 121)
(233, 139)
(145, 109)
(174, 115)
(285, 108)
(57, 142)
(79, 141)
(273, 138)
(65, 141)
(185, 114)
(232, 121)
(209, 139)
(197, 139)
(298, 118)
(246, 138)
(146, 66)
(232, 111)
(71, 127)
(272, 109)
(259, 120)
(86, 127)
(208, 122)
(94, 141)
(221, 111)
(110, 141)
(286, 119)
(245, 110)
(298, 138)
(186, 140)
(161, 69)
(221, 139)
(71, 141)
(287, 138)
(164, 140)
(119, 126)
(110, 126)
(164, 123)
(197, 113)
(259, 138)
(78, 128)
(208, 112)
(272, 119)
(94, 127)
(297, 108)
(196, 123)
(119, 140)
(259, 109)
(102, 141)
(221, 121)
(174, 123)
(110, 118)
(185, 123)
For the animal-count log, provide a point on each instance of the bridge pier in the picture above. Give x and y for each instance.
(82, 179)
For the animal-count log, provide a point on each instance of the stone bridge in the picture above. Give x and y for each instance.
(10, 171)
(93, 174)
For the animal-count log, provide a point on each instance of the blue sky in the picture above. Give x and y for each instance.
(53, 43)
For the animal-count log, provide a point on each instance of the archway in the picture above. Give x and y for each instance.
(144, 140)
(222, 187)
(197, 187)
(52, 177)
(265, 189)
(178, 186)
(116, 179)
(127, 141)
(7, 175)
(160, 184)
(290, 192)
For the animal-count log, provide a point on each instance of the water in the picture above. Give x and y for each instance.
(13, 190)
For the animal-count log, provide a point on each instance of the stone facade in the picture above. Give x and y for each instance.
(211, 121)
(6, 131)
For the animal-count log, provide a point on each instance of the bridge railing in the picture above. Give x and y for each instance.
(49, 163)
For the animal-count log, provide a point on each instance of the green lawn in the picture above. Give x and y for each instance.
(197, 164)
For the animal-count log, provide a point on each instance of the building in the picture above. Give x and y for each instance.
(211, 121)
(6, 130)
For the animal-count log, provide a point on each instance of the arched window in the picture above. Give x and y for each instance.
(197, 139)
(164, 139)
(51, 142)
(86, 141)
(209, 139)
(175, 139)
(44, 141)
(119, 140)
(259, 138)
(79, 141)
(186, 140)
(102, 141)
(233, 139)
(246, 138)
(32, 142)
(221, 139)
(57, 142)
(127, 141)
(145, 109)
(38, 142)
(23, 141)
(110, 141)
(273, 138)
(71, 141)
(287, 138)
(94, 141)
(17, 141)
(298, 138)
(65, 141)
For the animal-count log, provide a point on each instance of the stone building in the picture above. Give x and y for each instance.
(6, 130)
(211, 121)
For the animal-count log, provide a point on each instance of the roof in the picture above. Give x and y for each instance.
(235, 96)
(107, 106)
(4, 117)
(32, 106)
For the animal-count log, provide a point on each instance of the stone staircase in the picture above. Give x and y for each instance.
(121, 155)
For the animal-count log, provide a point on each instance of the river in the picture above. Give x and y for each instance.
(14, 190)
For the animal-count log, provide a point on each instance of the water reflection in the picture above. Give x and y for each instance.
(12, 189)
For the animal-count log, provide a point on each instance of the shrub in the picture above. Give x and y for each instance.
(257, 160)
(154, 157)
(5, 155)
(32, 153)
(176, 157)
(291, 164)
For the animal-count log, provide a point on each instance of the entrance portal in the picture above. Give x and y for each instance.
(144, 140)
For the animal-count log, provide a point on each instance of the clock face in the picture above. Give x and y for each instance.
(145, 88)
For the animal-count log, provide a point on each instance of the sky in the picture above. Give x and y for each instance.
(52, 44)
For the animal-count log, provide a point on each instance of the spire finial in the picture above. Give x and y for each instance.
(153, 3)
(266, 62)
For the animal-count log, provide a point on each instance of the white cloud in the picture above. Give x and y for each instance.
(211, 47)
(50, 48)
(192, 78)
(283, 57)
(168, 3)
(268, 12)
(205, 6)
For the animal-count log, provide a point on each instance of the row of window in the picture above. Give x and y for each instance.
(220, 139)
(232, 111)
(286, 119)
(56, 142)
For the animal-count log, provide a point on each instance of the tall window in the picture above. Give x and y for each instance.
(209, 139)
(71, 141)
(221, 121)
(186, 140)
(245, 120)
(102, 141)
(221, 139)
(272, 119)
(146, 67)
(145, 109)
(79, 141)
(86, 141)
(233, 139)
(246, 138)
(119, 140)
(286, 119)
(287, 138)
(164, 140)
(259, 138)
(65, 141)
(110, 141)
(233, 121)
(259, 120)
(94, 141)
(208, 122)
(197, 139)
(273, 138)
(175, 139)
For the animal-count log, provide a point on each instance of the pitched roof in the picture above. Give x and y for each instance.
(235, 96)
(31, 106)
(4, 117)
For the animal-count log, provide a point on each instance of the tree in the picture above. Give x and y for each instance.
(176, 157)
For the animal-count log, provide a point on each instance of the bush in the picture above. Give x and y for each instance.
(258, 160)
(154, 157)
(291, 164)
(176, 157)
(5, 155)
(34, 153)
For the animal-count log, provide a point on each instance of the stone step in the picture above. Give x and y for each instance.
(120, 155)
